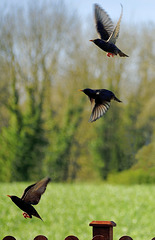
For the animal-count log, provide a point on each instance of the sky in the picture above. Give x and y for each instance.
(134, 11)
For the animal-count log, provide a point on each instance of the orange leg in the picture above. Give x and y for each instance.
(26, 215)
(110, 54)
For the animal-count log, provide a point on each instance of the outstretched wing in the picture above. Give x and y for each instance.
(92, 100)
(99, 110)
(115, 34)
(32, 194)
(104, 24)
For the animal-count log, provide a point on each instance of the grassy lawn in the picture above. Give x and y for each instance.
(67, 209)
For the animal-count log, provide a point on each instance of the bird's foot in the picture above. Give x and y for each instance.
(26, 215)
(110, 54)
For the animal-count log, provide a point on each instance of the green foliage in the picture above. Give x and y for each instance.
(74, 206)
(146, 157)
(24, 147)
(143, 171)
(107, 147)
(133, 176)
(43, 118)
(59, 162)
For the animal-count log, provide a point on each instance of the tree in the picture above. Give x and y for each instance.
(59, 162)
(31, 60)
(44, 125)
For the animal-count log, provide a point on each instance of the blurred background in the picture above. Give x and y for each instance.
(45, 57)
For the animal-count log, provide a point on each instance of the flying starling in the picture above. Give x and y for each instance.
(100, 100)
(31, 195)
(107, 33)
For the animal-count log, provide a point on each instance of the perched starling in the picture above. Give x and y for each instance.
(31, 195)
(107, 33)
(100, 100)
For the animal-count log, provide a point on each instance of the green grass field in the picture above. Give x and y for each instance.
(67, 209)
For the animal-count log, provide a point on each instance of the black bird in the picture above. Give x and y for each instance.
(107, 33)
(31, 195)
(100, 100)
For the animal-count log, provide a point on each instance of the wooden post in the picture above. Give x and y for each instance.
(8, 238)
(71, 237)
(104, 228)
(40, 237)
(125, 238)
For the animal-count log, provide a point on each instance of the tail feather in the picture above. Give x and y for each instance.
(121, 54)
(34, 212)
(116, 99)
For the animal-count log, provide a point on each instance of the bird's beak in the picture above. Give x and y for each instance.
(91, 40)
(80, 90)
(8, 195)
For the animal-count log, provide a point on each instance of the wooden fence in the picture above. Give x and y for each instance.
(102, 230)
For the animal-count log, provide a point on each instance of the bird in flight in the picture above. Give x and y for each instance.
(100, 100)
(107, 33)
(31, 196)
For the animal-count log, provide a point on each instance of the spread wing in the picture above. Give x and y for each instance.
(92, 100)
(115, 34)
(32, 193)
(99, 110)
(104, 24)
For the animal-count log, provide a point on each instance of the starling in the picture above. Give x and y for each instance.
(31, 195)
(107, 33)
(100, 100)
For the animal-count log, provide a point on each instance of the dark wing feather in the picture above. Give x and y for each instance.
(92, 100)
(115, 34)
(99, 110)
(26, 190)
(32, 194)
(104, 24)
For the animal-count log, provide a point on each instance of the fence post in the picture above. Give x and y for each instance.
(104, 228)
(40, 237)
(71, 237)
(8, 238)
